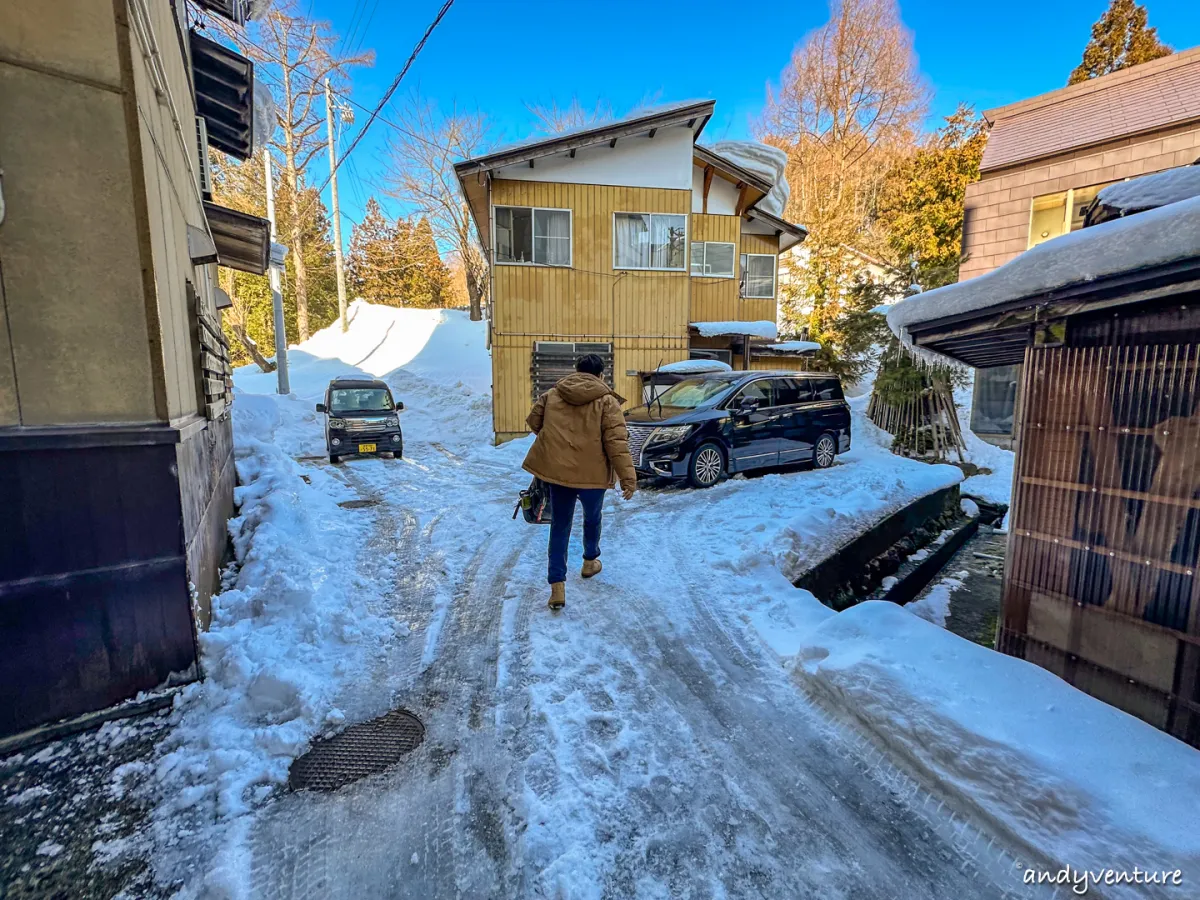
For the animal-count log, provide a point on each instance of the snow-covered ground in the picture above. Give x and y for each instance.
(649, 741)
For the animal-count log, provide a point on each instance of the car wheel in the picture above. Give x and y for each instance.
(824, 451)
(706, 466)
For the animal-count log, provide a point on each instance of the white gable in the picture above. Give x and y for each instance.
(722, 196)
(663, 161)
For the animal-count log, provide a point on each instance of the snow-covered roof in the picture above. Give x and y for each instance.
(1152, 191)
(763, 329)
(765, 160)
(1154, 238)
(696, 365)
(794, 347)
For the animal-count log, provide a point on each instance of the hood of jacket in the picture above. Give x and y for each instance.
(580, 388)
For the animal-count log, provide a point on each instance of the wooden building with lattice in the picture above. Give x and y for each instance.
(1100, 581)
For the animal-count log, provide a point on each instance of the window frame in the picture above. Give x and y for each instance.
(692, 259)
(533, 235)
(732, 402)
(742, 295)
(687, 261)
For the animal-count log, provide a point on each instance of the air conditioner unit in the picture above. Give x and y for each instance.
(205, 172)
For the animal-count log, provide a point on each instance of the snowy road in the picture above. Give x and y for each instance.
(646, 742)
(642, 743)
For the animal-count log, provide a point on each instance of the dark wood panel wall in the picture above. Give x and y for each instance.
(94, 597)
(1101, 585)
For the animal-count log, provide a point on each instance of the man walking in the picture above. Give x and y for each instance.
(581, 443)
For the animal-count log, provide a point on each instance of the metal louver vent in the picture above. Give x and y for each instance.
(553, 360)
(205, 171)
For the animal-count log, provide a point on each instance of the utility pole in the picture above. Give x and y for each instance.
(337, 213)
(281, 360)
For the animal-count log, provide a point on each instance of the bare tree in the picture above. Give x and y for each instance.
(848, 106)
(298, 54)
(553, 119)
(423, 149)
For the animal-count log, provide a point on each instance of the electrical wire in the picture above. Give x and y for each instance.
(391, 89)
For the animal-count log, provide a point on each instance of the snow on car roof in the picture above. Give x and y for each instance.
(1157, 237)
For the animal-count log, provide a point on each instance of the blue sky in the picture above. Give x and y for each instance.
(498, 55)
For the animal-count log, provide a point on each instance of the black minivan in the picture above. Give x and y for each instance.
(361, 417)
(714, 424)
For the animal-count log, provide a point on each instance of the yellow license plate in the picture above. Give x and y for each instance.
(366, 448)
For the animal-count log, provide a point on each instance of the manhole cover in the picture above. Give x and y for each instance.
(359, 751)
(359, 504)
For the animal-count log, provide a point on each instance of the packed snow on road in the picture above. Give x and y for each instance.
(691, 725)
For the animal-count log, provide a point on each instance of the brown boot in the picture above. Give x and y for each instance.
(591, 567)
(558, 595)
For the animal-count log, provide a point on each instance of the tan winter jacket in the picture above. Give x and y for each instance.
(581, 441)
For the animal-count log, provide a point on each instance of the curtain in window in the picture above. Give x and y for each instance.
(758, 276)
(632, 237)
(667, 235)
(552, 237)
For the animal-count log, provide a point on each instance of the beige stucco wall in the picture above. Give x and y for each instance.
(99, 184)
(73, 294)
(1000, 203)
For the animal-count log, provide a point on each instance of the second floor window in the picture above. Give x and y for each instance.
(649, 241)
(758, 276)
(713, 259)
(531, 235)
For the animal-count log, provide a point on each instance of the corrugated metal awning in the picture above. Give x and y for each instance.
(224, 95)
(243, 241)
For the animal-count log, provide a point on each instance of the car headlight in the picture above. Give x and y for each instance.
(337, 423)
(393, 421)
(671, 434)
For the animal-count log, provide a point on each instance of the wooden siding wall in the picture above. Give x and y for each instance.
(1101, 585)
(760, 310)
(716, 299)
(643, 314)
(999, 205)
(780, 363)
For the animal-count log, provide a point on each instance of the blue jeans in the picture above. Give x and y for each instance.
(562, 515)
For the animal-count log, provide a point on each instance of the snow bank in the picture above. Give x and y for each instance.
(754, 329)
(996, 485)
(796, 347)
(765, 160)
(696, 365)
(1073, 780)
(1152, 191)
(1148, 239)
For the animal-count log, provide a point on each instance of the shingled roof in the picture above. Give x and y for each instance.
(1154, 95)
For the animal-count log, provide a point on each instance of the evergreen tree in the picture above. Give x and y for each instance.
(922, 202)
(376, 262)
(1120, 39)
(427, 279)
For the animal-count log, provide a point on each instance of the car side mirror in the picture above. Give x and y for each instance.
(321, 408)
(746, 407)
(399, 406)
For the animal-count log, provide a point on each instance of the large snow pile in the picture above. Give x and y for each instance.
(762, 329)
(1152, 191)
(1148, 239)
(1071, 779)
(765, 160)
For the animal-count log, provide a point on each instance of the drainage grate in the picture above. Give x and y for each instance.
(359, 751)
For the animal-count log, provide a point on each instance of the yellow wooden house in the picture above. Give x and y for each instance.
(630, 240)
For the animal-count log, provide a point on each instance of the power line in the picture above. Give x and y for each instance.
(366, 29)
(391, 89)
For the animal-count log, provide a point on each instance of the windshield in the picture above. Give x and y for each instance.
(360, 400)
(692, 393)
